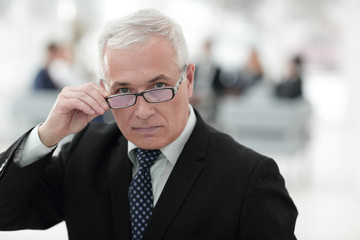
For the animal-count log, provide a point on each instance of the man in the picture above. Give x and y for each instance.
(58, 71)
(204, 185)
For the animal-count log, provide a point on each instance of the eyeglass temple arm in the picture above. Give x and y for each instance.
(181, 79)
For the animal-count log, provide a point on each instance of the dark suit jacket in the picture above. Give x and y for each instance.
(218, 189)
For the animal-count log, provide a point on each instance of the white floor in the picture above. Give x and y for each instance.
(323, 180)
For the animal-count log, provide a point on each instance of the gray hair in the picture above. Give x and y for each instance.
(137, 28)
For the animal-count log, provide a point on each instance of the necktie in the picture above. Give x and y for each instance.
(140, 193)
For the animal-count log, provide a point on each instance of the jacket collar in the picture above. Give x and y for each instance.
(184, 175)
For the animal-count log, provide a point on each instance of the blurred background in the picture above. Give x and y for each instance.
(280, 76)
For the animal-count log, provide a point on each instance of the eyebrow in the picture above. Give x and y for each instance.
(155, 79)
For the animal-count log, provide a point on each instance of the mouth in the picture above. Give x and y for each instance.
(146, 130)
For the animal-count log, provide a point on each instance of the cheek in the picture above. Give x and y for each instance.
(177, 114)
(121, 117)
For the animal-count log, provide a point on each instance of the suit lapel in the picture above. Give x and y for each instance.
(120, 177)
(182, 178)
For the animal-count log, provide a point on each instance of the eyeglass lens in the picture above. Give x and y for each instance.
(122, 101)
(154, 96)
(158, 95)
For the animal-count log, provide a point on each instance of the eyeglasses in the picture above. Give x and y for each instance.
(151, 96)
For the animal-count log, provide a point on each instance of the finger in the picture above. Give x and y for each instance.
(90, 87)
(99, 87)
(77, 104)
(69, 100)
(94, 90)
(79, 99)
(88, 95)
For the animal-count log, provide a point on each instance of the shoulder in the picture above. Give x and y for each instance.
(225, 152)
(236, 161)
(227, 161)
(228, 146)
(223, 147)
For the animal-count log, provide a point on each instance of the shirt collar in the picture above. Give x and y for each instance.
(171, 151)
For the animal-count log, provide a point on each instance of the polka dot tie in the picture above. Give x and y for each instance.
(140, 193)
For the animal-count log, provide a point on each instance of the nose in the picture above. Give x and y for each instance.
(143, 109)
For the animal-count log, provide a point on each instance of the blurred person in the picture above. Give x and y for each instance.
(206, 83)
(251, 73)
(57, 71)
(105, 184)
(291, 85)
(243, 78)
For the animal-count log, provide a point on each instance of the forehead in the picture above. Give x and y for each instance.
(156, 56)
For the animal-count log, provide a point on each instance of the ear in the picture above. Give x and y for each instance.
(190, 73)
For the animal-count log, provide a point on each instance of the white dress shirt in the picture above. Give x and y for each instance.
(161, 169)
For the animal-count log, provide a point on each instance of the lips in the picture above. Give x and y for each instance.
(145, 130)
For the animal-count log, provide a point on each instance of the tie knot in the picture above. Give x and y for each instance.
(146, 158)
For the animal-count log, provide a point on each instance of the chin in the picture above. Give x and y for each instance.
(151, 143)
(149, 146)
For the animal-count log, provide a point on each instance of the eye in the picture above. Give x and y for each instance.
(159, 85)
(123, 90)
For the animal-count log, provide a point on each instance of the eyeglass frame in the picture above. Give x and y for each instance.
(173, 89)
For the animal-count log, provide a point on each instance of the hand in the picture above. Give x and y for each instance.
(74, 108)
